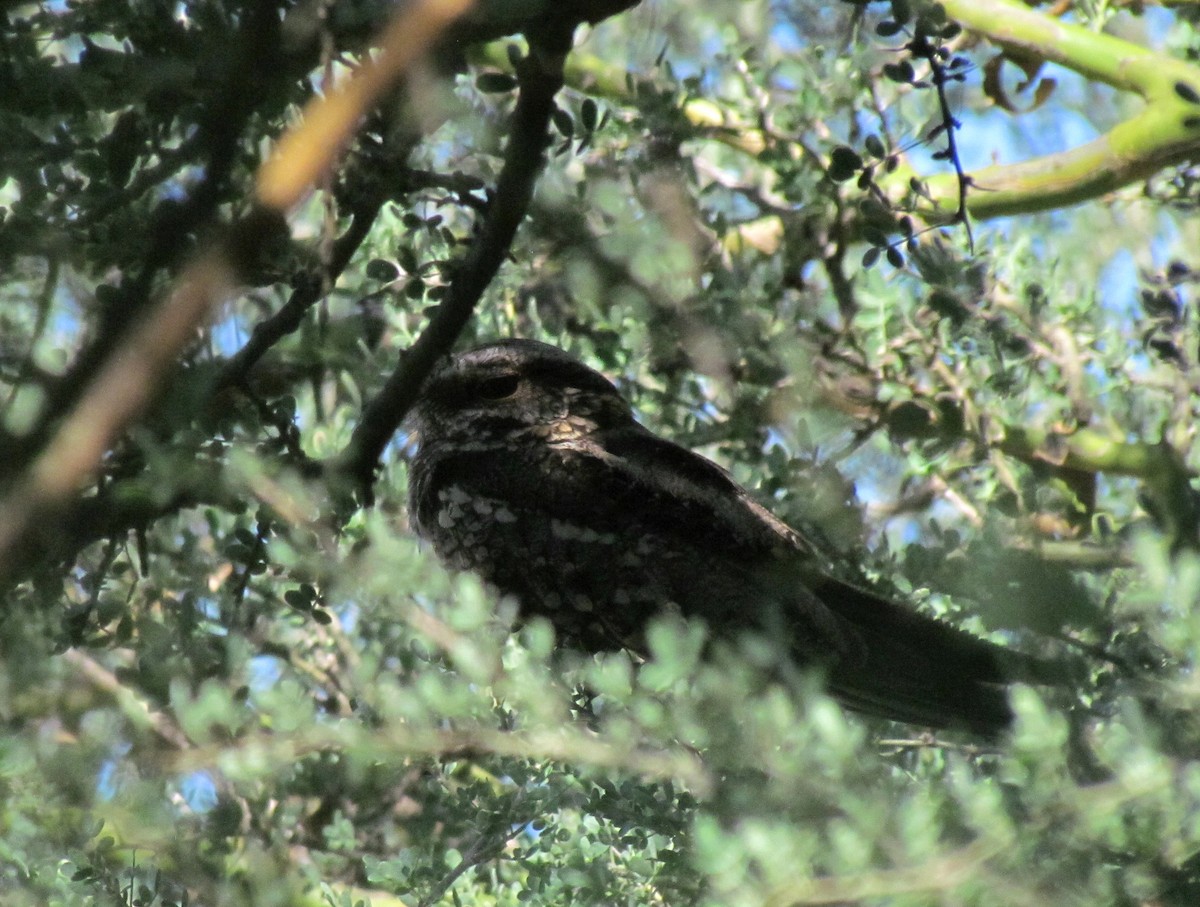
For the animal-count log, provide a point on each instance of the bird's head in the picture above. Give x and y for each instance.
(512, 389)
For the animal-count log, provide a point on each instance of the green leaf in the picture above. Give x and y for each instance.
(844, 162)
(495, 82)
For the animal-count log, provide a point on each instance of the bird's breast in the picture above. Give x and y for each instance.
(573, 539)
(598, 587)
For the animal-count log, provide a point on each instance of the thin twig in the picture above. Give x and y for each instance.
(488, 844)
(922, 47)
(307, 292)
(132, 706)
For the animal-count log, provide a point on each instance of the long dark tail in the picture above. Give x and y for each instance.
(919, 670)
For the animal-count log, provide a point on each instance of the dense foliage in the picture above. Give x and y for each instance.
(923, 278)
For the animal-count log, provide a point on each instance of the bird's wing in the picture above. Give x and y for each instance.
(707, 542)
(881, 657)
(751, 562)
(890, 660)
(916, 668)
(697, 484)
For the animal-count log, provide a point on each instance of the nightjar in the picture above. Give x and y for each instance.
(531, 471)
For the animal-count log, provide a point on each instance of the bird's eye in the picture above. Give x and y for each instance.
(499, 388)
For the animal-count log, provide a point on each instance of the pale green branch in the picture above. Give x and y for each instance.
(1089, 450)
(1166, 133)
(1165, 477)
(1104, 58)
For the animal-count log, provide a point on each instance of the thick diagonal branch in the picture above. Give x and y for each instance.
(540, 77)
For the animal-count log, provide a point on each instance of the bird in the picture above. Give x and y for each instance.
(531, 470)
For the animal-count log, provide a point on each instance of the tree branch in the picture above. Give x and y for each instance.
(540, 77)
(174, 223)
(1164, 134)
(129, 373)
(309, 291)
